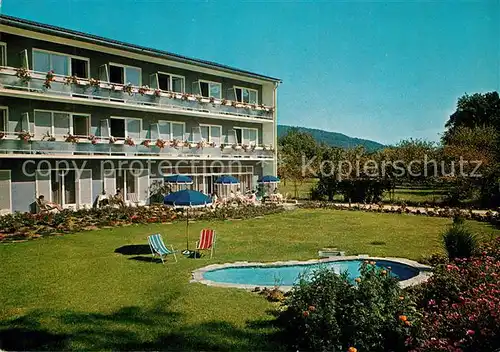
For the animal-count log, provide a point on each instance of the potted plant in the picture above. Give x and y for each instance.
(23, 74)
(146, 143)
(185, 96)
(201, 144)
(112, 140)
(223, 101)
(25, 136)
(245, 147)
(129, 141)
(222, 146)
(2, 135)
(92, 139)
(186, 144)
(49, 77)
(94, 82)
(70, 138)
(48, 137)
(176, 143)
(160, 143)
(157, 93)
(127, 88)
(71, 80)
(143, 90)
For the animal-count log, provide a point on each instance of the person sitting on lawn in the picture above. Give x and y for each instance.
(45, 205)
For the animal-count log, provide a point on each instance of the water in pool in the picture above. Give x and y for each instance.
(287, 275)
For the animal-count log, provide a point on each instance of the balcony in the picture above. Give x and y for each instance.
(28, 149)
(90, 91)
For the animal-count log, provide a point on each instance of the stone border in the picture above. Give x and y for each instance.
(198, 274)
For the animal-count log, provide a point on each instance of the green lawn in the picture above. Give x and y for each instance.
(76, 292)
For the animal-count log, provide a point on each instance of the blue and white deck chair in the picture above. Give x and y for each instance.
(158, 247)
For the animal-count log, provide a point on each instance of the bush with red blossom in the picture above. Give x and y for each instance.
(460, 304)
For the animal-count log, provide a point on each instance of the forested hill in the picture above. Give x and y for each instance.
(334, 139)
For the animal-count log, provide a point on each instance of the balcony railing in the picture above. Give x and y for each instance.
(64, 149)
(29, 81)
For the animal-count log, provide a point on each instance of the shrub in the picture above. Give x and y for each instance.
(26, 225)
(330, 313)
(458, 219)
(460, 304)
(459, 242)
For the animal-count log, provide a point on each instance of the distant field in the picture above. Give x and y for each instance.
(402, 194)
(303, 190)
(416, 195)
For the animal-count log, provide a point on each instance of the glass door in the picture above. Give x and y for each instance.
(63, 187)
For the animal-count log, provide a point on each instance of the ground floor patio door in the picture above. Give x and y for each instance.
(5, 192)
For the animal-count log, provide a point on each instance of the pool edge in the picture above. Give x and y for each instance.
(424, 271)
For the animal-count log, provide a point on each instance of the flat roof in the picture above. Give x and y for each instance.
(71, 34)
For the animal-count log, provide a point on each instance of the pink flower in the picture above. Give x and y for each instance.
(470, 332)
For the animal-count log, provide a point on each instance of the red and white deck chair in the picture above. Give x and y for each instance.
(207, 241)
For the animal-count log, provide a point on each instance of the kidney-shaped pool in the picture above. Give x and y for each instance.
(246, 275)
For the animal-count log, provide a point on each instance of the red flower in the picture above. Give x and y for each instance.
(470, 332)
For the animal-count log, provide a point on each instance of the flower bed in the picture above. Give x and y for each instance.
(460, 304)
(456, 310)
(22, 226)
(446, 212)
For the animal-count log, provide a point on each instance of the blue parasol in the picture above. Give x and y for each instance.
(186, 199)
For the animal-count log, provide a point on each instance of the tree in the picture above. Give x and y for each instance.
(476, 110)
(473, 133)
(297, 148)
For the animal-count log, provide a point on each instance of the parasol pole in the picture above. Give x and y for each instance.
(187, 229)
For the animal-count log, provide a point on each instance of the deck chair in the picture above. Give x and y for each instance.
(207, 241)
(132, 198)
(158, 247)
(45, 209)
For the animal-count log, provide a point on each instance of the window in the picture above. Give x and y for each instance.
(122, 127)
(246, 95)
(81, 125)
(247, 136)
(210, 89)
(63, 187)
(3, 54)
(211, 133)
(118, 128)
(44, 61)
(168, 82)
(23, 57)
(126, 181)
(171, 130)
(79, 68)
(59, 124)
(125, 74)
(4, 119)
(65, 65)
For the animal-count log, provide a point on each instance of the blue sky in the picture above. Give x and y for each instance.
(378, 70)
